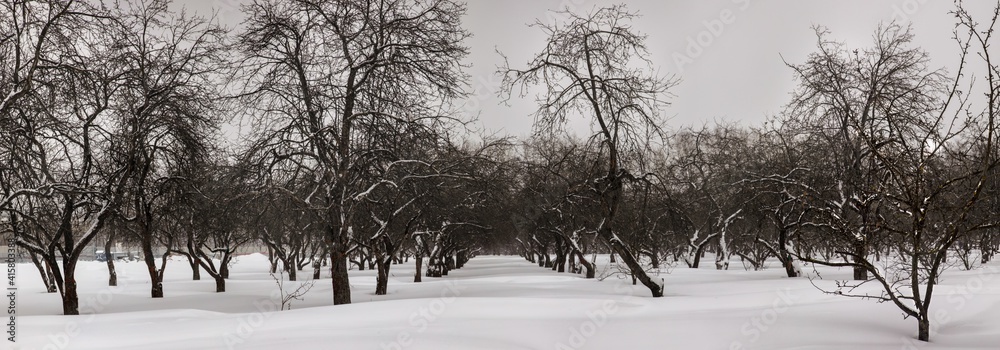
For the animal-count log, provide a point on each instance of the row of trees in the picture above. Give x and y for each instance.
(111, 130)
(104, 110)
(111, 115)
(358, 154)
(880, 163)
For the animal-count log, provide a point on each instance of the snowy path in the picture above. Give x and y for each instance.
(498, 303)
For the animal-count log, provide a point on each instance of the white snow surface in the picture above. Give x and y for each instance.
(498, 302)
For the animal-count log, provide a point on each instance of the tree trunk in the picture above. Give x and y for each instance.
(786, 258)
(697, 257)
(340, 280)
(572, 262)
(449, 262)
(860, 251)
(626, 255)
(220, 281)
(316, 268)
(382, 279)
(300, 263)
(790, 267)
(924, 329)
(560, 261)
(654, 259)
(562, 252)
(156, 286)
(46, 272)
(52, 278)
(987, 247)
(112, 275)
(195, 269)
(699, 252)
(610, 197)
(722, 253)
(70, 298)
(419, 262)
(193, 258)
(224, 265)
(434, 267)
(290, 268)
(588, 267)
(461, 259)
(272, 260)
(220, 284)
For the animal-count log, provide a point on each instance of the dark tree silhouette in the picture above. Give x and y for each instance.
(597, 65)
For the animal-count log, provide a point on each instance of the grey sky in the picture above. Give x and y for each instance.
(738, 76)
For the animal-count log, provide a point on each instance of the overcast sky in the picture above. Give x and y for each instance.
(729, 71)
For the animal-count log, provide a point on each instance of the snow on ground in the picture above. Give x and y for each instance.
(498, 302)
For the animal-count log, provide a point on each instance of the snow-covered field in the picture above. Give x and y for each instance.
(498, 302)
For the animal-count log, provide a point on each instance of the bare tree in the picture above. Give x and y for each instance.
(64, 187)
(901, 137)
(213, 213)
(597, 65)
(845, 101)
(703, 180)
(167, 108)
(770, 174)
(316, 70)
(554, 200)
